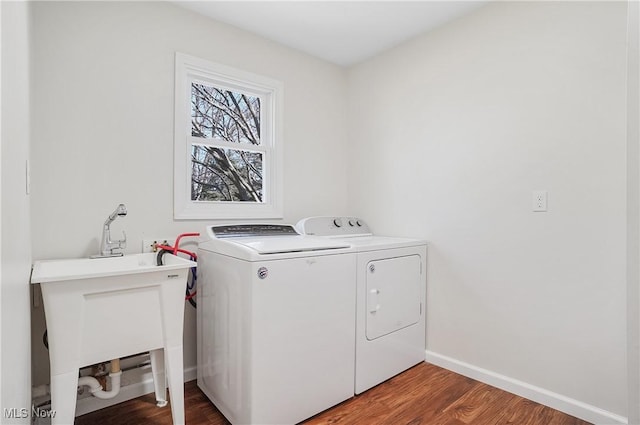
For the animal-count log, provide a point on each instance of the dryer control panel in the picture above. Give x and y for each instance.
(333, 226)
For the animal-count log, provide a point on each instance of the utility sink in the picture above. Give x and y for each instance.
(84, 268)
(106, 308)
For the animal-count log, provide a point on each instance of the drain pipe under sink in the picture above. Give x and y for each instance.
(96, 388)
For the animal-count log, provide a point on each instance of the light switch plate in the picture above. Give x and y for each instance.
(539, 201)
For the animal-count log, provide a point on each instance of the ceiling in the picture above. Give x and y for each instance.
(342, 32)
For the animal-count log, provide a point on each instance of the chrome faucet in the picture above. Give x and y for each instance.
(107, 246)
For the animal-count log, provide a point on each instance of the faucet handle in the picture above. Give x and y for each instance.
(118, 244)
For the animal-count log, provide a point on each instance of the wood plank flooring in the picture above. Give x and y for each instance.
(423, 395)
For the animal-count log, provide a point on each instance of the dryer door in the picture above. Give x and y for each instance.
(393, 295)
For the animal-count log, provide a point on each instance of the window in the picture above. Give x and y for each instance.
(228, 153)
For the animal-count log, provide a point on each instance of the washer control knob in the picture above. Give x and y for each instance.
(352, 223)
(358, 223)
(337, 222)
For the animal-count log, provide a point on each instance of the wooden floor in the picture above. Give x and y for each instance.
(425, 394)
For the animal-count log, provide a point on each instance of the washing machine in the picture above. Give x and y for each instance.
(275, 322)
(390, 297)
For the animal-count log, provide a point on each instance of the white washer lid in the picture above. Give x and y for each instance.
(277, 245)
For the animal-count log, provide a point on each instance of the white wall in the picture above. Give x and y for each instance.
(16, 249)
(103, 79)
(633, 212)
(449, 135)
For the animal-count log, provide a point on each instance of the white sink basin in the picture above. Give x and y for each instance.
(107, 308)
(84, 268)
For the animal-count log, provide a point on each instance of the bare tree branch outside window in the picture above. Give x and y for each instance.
(220, 173)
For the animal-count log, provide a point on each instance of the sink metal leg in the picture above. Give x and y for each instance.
(159, 376)
(64, 389)
(176, 383)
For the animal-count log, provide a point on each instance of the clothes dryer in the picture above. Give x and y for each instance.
(275, 322)
(390, 297)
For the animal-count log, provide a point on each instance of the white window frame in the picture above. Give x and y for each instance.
(190, 69)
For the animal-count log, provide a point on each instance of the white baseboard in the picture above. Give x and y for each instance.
(127, 392)
(556, 401)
